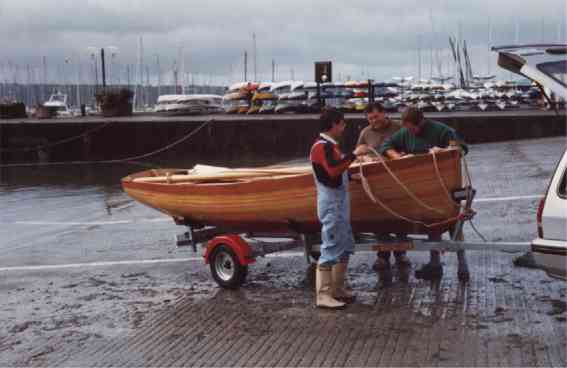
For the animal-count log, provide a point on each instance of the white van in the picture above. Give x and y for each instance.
(547, 66)
(550, 247)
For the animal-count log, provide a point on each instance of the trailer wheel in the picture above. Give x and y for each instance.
(226, 269)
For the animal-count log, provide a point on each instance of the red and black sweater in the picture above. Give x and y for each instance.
(328, 162)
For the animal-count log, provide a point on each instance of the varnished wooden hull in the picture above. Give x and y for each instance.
(272, 204)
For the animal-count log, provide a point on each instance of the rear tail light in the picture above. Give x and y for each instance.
(539, 217)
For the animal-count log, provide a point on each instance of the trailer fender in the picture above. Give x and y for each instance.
(240, 247)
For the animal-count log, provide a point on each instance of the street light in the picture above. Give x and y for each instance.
(93, 51)
(113, 53)
(69, 60)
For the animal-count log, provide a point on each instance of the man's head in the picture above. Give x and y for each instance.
(332, 122)
(412, 119)
(376, 115)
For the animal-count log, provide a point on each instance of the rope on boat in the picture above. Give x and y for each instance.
(470, 184)
(404, 187)
(57, 143)
(129, 159)
(368, 190)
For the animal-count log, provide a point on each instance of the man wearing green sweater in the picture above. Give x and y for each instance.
(419, 136)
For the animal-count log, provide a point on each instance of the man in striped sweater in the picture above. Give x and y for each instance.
(330, 168)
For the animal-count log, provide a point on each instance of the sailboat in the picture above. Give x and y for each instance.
(409, 195)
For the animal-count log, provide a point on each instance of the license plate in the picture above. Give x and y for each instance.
(390, 247)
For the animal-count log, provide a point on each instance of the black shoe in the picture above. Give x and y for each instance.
(381, 264)
(429, 272)
(463, 274)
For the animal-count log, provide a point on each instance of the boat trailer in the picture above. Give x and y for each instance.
(229, 253)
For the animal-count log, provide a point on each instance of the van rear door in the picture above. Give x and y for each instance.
(554, 218)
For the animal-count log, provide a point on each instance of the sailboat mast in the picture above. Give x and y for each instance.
(245, 66)
(419, 58)
(488, 47)
(44, 81)
(255, 58)
(273, 70)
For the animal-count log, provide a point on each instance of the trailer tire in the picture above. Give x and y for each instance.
(226, 268)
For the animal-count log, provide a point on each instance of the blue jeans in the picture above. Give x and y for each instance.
(333, 210)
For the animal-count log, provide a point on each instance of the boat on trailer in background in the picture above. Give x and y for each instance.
(196, 104)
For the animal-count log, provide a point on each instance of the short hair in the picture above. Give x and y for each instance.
(412, 114)
(329, 117)
(374, 106)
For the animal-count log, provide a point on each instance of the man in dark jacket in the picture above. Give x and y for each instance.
(419, 136)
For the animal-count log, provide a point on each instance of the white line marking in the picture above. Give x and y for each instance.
(55, 223)
(503, 199)
(123, 263)
(161, 219)
(98, 264)
(93, 223)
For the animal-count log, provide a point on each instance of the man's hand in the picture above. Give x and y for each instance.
(361, 150)
(355, 177)
(367, 158)
(393, 154)
(436, 149)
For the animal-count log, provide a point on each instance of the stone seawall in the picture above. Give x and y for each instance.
(228, 137)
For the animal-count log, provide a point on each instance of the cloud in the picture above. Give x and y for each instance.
(368, 38)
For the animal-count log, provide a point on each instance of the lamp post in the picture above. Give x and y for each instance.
(113, 53)
(93, 51)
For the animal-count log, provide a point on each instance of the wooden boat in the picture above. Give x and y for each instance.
(280, 199)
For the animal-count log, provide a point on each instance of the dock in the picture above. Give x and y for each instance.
(223, 136)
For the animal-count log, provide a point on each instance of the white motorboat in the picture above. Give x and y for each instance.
(175, 105)
(547, 66)
(57, 104)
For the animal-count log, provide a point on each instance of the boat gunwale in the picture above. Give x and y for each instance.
(260, 182)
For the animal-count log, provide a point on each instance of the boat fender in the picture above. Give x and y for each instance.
(236, 243)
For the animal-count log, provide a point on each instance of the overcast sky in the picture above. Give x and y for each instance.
(367, 38)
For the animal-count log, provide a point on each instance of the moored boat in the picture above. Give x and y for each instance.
(57, 103)
(174, 105)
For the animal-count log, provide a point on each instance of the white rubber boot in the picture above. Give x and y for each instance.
(340, 289)
(324, 289)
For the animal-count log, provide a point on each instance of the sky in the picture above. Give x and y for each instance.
(205, 40)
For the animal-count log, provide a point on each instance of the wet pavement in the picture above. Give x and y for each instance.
(90, 278)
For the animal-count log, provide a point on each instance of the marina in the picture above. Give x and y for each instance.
(307, 185)
(92, 250)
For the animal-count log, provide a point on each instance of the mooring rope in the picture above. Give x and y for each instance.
(124, 160)
(57, 143)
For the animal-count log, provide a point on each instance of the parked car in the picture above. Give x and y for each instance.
(550, 247)
(547, 66)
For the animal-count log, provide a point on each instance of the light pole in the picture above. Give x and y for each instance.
(65, 81)
(92, 52)
(113, 53)
(69, 60)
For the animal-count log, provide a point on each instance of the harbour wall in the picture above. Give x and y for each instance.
(227, 138)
